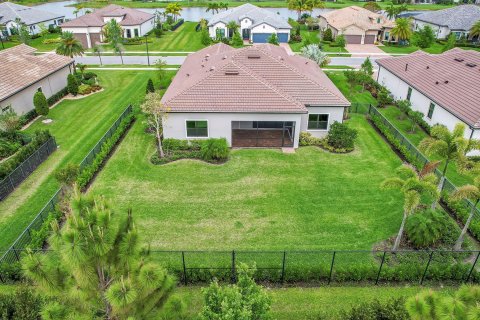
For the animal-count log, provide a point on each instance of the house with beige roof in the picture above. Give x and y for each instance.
(441, 86)
(358, 25)
(257, 96)
(23, 73)
(88, 28)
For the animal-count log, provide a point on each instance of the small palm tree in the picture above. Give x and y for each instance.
(98, 49)
(471, 192)
(412, 185)
(69, 46)
(223, 5)
(173, 9)
(475, 29)
(119, 49)
(232, 27)
(213, 6)
(402, 29)
(447, 146)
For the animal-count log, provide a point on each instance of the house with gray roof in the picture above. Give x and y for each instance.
(10, 13)
(256, 24)
(457, 20)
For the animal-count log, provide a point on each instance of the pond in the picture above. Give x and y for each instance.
(189, 14)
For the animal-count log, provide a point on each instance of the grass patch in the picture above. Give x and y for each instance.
(313, 36)
(77, 126)
(436, 48)
(36, 43)
(354, 95)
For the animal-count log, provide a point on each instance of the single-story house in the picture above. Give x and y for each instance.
(88, 28)
(256, 96)
(441, 86)
(457, 20)
(358, 25)
(32, 17)
(22, 74)
(256, 24)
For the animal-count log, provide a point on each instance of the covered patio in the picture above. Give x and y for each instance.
(263, 134)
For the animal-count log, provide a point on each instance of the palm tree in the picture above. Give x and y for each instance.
(304, 5)
(448, 147)
(223, 5)
(98, 49)
(69, 46)
(232, 26)
(402, 30)
(173, 9)
(2, 28)
(75, 12)
(413, 186)
(213, 6)
(119, 49)
(475, 30)
(472, 192)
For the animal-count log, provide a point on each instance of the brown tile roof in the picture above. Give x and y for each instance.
(446, 79)
(353, 15)
(20, 68)
(131, 17)
(261, 78)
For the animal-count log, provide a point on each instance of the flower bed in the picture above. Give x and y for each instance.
(210, 150)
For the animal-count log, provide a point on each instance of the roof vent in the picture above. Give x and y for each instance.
(212, 68)
(446, 81)
(231, 72)
(406, 67)
(224, 57)
(471, 65)
(428, 67)
(203, 66)
(458, 59)
(253, 56)
(188, 74)
(436, 82)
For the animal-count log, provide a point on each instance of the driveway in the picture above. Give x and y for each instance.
(365, 49)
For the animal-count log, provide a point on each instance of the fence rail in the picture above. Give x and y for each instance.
(12, 254)
(16, 177)
(447, 185)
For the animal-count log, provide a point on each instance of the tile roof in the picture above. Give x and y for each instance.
(444, 78)
(10, 11)
(254, 13)
(131, 17)
(261, 78)
(457, 18)
(21, 68)
(353, 15)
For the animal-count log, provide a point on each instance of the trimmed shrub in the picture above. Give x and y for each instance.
(89, 75)
(68, 174)
(7, 148)
(72, 84)
(57, 96)
(84, 89)
(393, 309)
(327, 35)
(215, 149)
(150, 87)
(237, 40)
(340, 41)
(205, 37)
(27, 117)
(273, 39)
(306, 139)
(384, 97)
(427, 228)
(177, 24)
(40, 103)
(340, 136)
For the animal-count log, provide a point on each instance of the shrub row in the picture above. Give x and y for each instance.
(211, 150)
(57, 96)
(39, 138)
(461, 212)
(177, 24)
(89, 171)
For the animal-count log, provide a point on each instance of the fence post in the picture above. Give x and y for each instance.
(380, 269)
(473, 267)
(234, 274)
(283, 265)
(331, 267)
(184, 269)
(1, 278)
(369, 108)
(11, 182)
(426, 268)
(16, 253)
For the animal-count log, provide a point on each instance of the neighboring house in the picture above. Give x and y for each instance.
(358, 25)
(33, 18)
(88, 28)
(256, 24)
(257, 96)
(22, 74)
(444, 87)
(457, 20)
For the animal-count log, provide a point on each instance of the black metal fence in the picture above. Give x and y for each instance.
(357, 107)
(13, 253)
(16, 177)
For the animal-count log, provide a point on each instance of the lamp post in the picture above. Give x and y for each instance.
(146, 43)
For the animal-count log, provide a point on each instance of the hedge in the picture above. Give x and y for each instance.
(39, 138)
(87, 174)
(177, 24)
(461, 212)
(57, 96)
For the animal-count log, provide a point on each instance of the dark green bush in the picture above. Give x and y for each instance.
(340, 136)
(38, 237)
(23, 304)
(57, 96)
(461, 212)
(27, 117)
(7, 148)
(11, 272)
(306, 139)
(72, 84)
(327, 35)
(89, 75)
(393, 309)
(40, 103)
(426, 228)
(214, 149)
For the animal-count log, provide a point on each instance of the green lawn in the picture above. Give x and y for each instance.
(77, 126)
(36, 43)
(259, 199)
(309, 303)
(436, 48)
(313, 36)
(356, 95)
(392, 113)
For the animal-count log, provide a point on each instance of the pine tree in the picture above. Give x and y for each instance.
(237, 40)
(72, 84)
(367, 66)
(40, 103)
(150, 87)
(206, 40)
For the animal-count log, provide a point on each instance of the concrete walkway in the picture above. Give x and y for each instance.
(365, 49)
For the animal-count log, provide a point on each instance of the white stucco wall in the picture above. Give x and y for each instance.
(34, 28)
(22, 101)
(143, 28)
(220, 124)
(264, 28)
(335, 114)
(441, 32)
(213, 29)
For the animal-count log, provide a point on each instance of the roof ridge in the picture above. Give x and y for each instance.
(304, 76)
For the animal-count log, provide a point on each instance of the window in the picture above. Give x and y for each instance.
(197, 129)
(220, 33)
(129, 33)
(387, 35)
(317, 121)
(135, 32)
(430, 110)
(409, 93)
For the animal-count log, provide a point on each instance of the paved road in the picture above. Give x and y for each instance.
(177, 60)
